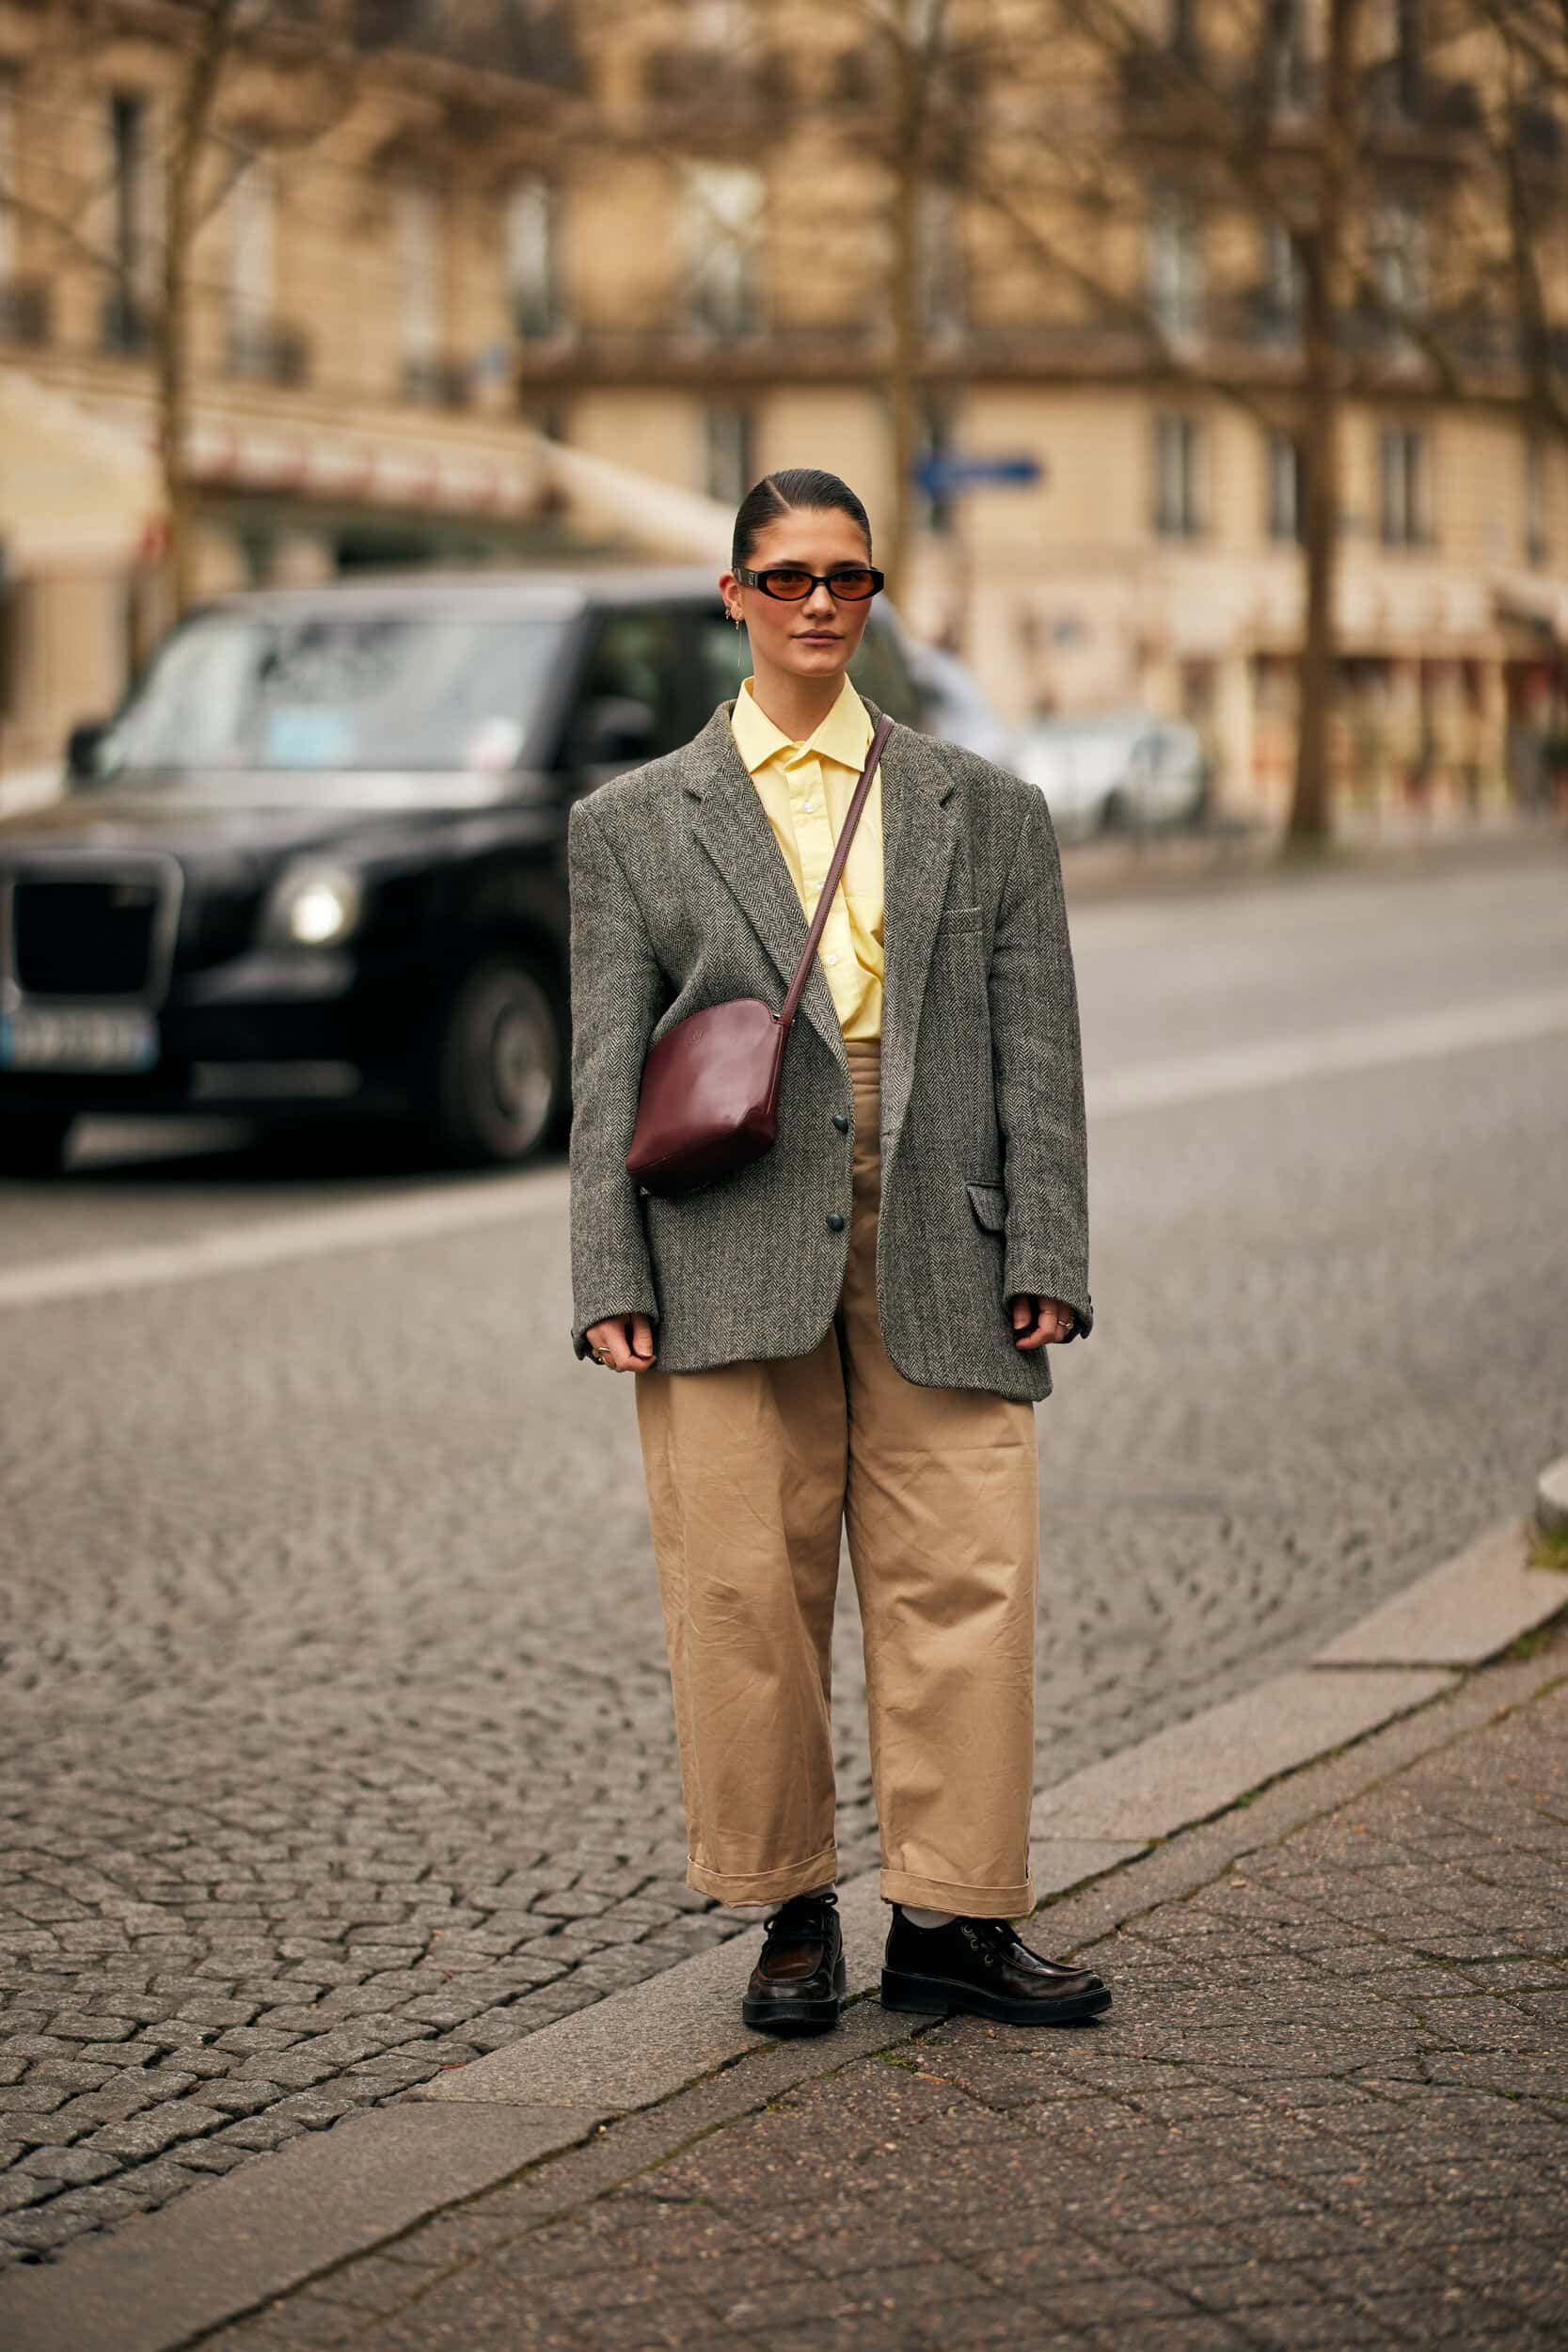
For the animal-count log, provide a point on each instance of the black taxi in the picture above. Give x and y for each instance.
(317, 860)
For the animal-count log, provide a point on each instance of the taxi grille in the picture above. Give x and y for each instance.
(84, 938)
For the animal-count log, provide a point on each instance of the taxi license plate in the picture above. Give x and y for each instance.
(78, 1037)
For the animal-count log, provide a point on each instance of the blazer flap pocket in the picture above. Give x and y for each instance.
(989, 1204)
(959, 920)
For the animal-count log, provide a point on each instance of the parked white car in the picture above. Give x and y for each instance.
(1115, 771)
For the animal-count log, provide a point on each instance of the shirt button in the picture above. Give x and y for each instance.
(829, 958)
(835, 1223)
(808, 806)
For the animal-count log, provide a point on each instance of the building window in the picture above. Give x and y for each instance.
(1398, 254)
(421, 295)
(1536, 534)
(939, 263)
(1408, 46)
(1175, 265)
(8, 174)
(132, 225)
(1396, 39)
(1404, 489)
(1178, 470)
(533, 258)
(728, 447)
(1282, 283)
(722, 226)
(1285, 52)
(1282, 459)
(251, 263)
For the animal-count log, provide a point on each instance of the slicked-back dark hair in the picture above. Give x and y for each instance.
(784, 493)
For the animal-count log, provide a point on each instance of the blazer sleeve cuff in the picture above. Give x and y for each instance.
(1036, 1281)
(607, 1315)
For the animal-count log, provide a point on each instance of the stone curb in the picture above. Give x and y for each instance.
(1158, 1819)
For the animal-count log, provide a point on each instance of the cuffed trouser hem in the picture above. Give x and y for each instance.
(970, 1902)
(765, 1886)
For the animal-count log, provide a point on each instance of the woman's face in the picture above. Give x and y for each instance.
(818, 637)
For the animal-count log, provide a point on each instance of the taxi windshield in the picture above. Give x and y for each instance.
(323, 692)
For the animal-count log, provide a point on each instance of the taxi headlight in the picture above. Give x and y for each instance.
(314, 906)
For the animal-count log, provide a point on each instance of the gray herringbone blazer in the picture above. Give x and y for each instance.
(680, 899)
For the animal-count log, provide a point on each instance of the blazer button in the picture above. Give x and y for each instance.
(835, 1223)
(841, 1123)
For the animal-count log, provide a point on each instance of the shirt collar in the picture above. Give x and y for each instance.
(842, 735)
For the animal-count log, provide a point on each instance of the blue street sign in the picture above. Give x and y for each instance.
(939, 477)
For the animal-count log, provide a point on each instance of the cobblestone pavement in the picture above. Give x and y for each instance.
(335, 1737)
(1329, 2108)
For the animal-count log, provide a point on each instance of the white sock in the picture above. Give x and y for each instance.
(761, 1911)
(927, 1918)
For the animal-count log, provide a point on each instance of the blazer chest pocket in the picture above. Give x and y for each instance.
(990, 1204)
(954, 921)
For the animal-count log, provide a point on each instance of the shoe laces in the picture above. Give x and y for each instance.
(998, 1933)
(799, 1916)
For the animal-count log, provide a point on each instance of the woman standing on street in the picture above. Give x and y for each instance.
(851, 1331)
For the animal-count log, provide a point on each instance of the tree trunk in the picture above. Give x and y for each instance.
(187, 144)
(903, 379)
(1309, 825)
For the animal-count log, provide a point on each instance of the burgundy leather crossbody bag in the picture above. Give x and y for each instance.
(709, 1098)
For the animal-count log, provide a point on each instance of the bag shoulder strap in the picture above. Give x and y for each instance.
(824, 904)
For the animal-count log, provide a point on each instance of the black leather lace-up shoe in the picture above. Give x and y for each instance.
(981, 1967)
(797, 1984)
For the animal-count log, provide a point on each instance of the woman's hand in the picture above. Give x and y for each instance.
(1037, 1320)
(628, 1341)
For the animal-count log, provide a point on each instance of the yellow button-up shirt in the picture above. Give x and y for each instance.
(806, 789)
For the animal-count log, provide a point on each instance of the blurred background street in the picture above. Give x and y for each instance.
(377, 384)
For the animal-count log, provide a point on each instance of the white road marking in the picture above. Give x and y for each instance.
(423, 1215)
(437, 1210)
(1365, 1045)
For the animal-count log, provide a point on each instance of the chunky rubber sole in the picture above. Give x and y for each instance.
(785, 2013)
(939, 1996)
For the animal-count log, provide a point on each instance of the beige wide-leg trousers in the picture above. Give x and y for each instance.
(753, 1470)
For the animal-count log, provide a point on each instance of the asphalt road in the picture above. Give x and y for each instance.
(335, 1739)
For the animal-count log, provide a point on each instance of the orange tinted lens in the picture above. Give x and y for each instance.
(788, 583)
(852, 583)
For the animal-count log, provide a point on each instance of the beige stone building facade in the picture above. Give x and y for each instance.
(356, 270)
(665, 239)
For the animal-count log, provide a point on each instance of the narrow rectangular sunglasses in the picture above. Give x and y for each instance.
(792, 585)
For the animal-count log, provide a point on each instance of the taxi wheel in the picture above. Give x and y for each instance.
(500, 1075)
(34, 1147)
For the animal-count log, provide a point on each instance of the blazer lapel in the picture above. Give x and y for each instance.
(919, 831)
(918, 836)
(733, 827)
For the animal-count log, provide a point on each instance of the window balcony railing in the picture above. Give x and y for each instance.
(539, 317)
(26, 310)
(709, 80)
(694, 349)
(432, 383)
(537, 41)
(124, 327)
(267, 351)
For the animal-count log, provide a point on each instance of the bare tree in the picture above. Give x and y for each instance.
(257, 83)
(192, 167)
